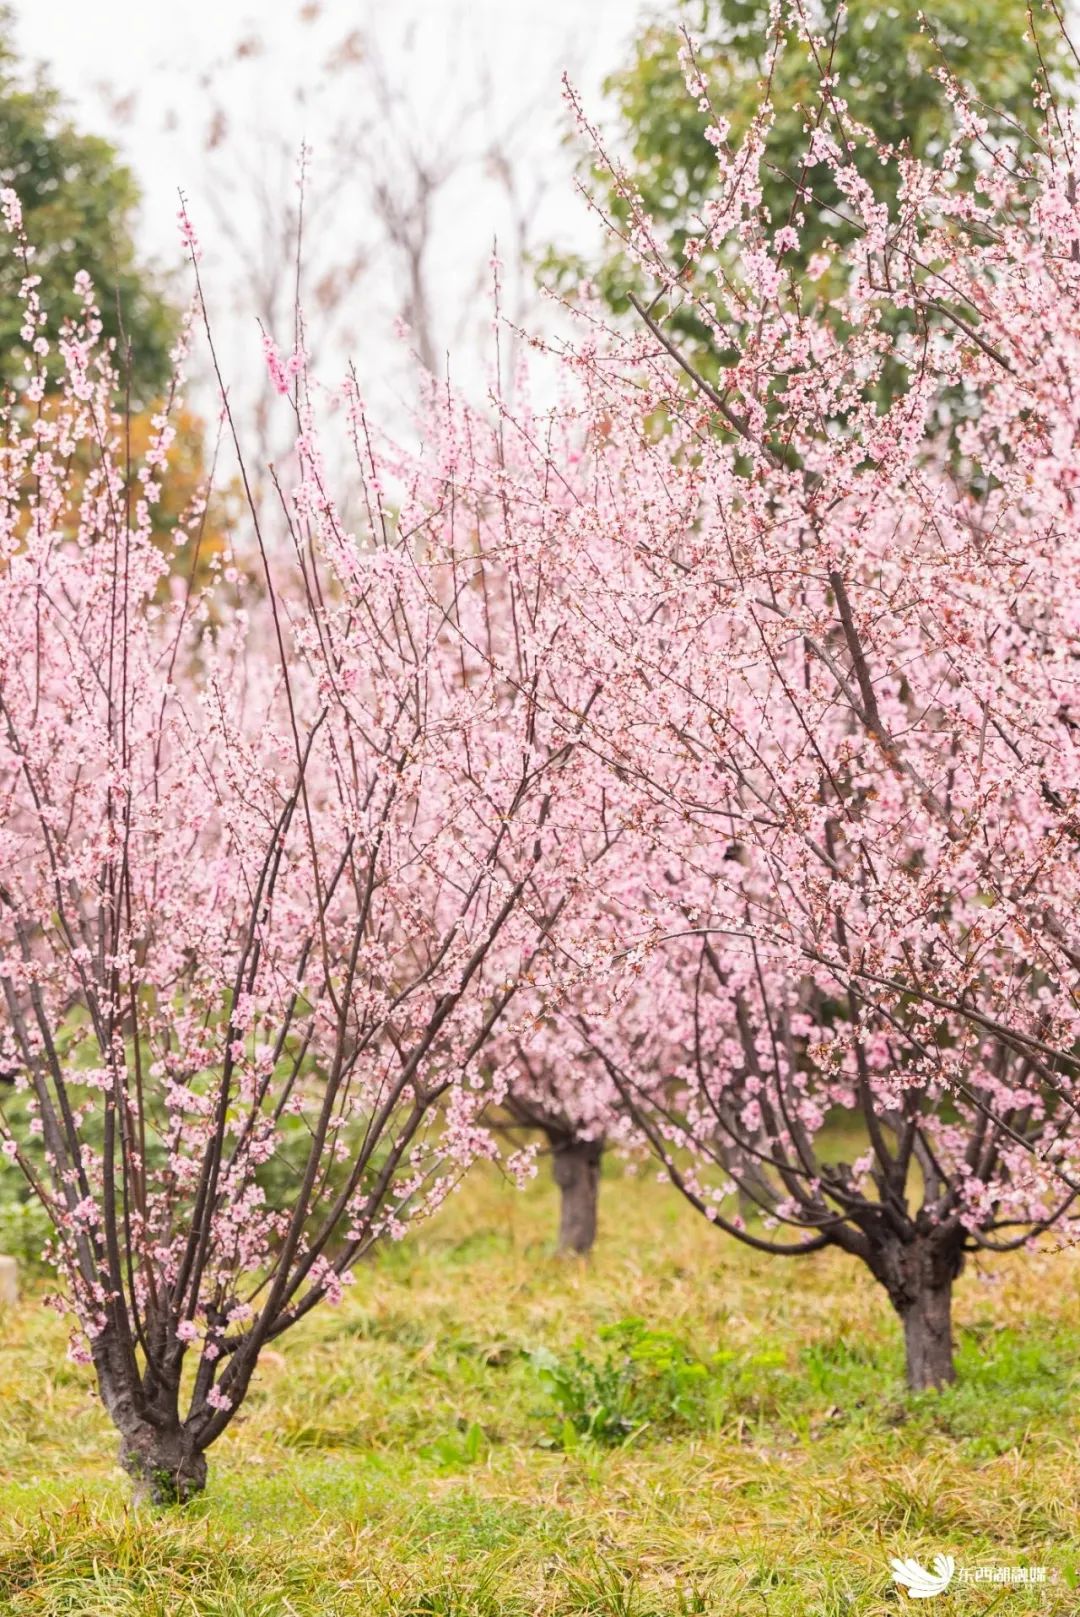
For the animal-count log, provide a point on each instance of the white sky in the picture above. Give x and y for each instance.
(175, 65)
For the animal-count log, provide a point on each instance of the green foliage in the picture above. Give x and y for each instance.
(650, 1381)
(647, 1378)
(78, 204)
(24, 1226)
(885, 65)
(456, 1449)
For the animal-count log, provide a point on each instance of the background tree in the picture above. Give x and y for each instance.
(396, 169)
(660, 156)
(570, 1102)
(79, 203)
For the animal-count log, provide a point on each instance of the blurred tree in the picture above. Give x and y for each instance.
(78, 204)
(883, 58)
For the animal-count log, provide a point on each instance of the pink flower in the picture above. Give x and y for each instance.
(282, 372)
(11, 208)
(187, 234)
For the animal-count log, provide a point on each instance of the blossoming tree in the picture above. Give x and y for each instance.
(568, 1099)
(831, 602)
(275, 867)
(524, 467)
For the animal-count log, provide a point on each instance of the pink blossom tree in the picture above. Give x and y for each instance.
(276, 866)
(566, 1096)
(527, 472)
(830, 604)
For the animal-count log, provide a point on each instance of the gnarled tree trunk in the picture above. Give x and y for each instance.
(157, 1450)
(164, 1464)
(576, 1166)
(918, 1275)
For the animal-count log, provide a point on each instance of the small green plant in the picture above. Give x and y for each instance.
(455, 1450)
(647, 1378)
(24, 1229)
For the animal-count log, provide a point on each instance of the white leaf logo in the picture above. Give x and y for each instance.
(921, 1584)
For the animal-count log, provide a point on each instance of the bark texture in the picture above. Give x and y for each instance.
(928, 1347)
(576, 1166)
(918, 1276)
(159, 1453)
(165, 1466)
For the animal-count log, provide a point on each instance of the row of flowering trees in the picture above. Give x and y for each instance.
(693, 761)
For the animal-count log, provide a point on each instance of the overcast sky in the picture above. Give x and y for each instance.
(157, 77)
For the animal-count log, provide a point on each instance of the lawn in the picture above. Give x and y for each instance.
(424, 1447)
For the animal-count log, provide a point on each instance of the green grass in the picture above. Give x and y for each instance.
(408, 1454)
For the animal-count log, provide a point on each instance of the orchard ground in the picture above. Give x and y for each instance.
(408, 1453)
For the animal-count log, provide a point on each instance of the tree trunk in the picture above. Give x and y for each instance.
(165, 1466)
(918, 1275)
(576, 1166)
(160, 1455)
(928, 1339)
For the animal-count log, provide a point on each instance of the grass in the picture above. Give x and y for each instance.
(409, 1453)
